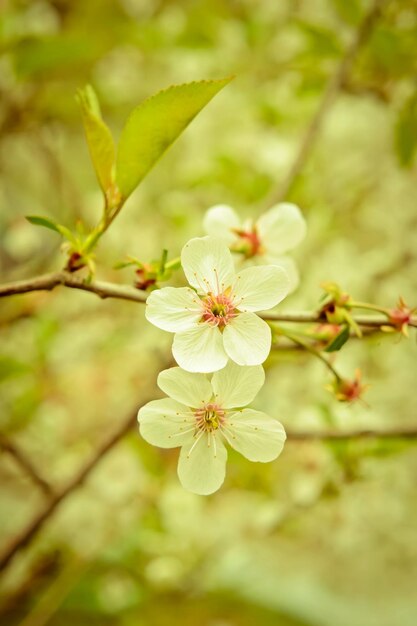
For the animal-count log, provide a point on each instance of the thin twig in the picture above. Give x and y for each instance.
(313, 317)
(334, 435)
(312, 350)
(26, 465)
(47, 282)
(334, 86)
(26, 536)
(32, 529)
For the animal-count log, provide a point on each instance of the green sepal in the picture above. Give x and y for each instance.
(120, 265)
(38, 220)
(42, 221)
(339, 341)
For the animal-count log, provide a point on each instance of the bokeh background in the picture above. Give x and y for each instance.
(326, 534)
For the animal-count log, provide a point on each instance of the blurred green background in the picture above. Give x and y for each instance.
(324, 536)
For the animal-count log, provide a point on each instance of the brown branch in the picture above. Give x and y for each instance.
(26, 465)
(307, 317)
(28, 533)
(26, 536)
(331, 92)
(47, 282)
(334, 435)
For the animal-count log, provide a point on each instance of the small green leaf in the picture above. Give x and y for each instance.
(43, 221)
(339, 341)
(99, 138)
(47, 223)
(122, 264)
(154, 125)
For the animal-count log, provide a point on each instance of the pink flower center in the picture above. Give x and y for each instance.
(210, 417)
(218, 310)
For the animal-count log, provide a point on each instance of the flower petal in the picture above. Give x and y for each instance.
(260, 288)
(256, 435)
(247, 339)
(173, 309)
(200, 349)
(220, 221)
(289, 265)
(236, 386)
(208, 265)
(281, 228)
(202, 464)
(190, 389)
(162, 422)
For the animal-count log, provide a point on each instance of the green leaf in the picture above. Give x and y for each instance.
(47, 223)
(406, 132)
(43, 221)
(99, 138)
(154, 125)
(339, 341)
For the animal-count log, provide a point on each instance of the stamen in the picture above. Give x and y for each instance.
(202, 286)
(217, 281)
(209, 417)
(214, 444)
(218, 309)
(183, 432)
(195, 443)
(226, 432)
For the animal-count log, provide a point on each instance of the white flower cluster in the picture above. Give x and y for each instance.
(216, 331)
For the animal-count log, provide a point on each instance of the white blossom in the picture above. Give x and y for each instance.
(214, 319)
(203, 415)
(267, 240)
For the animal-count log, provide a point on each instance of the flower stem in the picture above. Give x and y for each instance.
(174, 264)
(366, 305)
(307, 346)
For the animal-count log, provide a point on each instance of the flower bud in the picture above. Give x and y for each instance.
(75, 262)
(347, 390)
(145, 277)
(401, 316)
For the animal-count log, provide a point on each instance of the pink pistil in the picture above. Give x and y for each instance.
(218, 310)
(209, 417)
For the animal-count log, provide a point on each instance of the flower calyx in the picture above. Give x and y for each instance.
(400, 318)
(148, 275)
(249, 242)
(336, 307)
(348, 390)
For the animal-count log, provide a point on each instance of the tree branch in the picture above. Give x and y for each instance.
(28, 533)
(33, 528)
(334, 435)
(47, 282)
(26, 465)
(332, 90)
